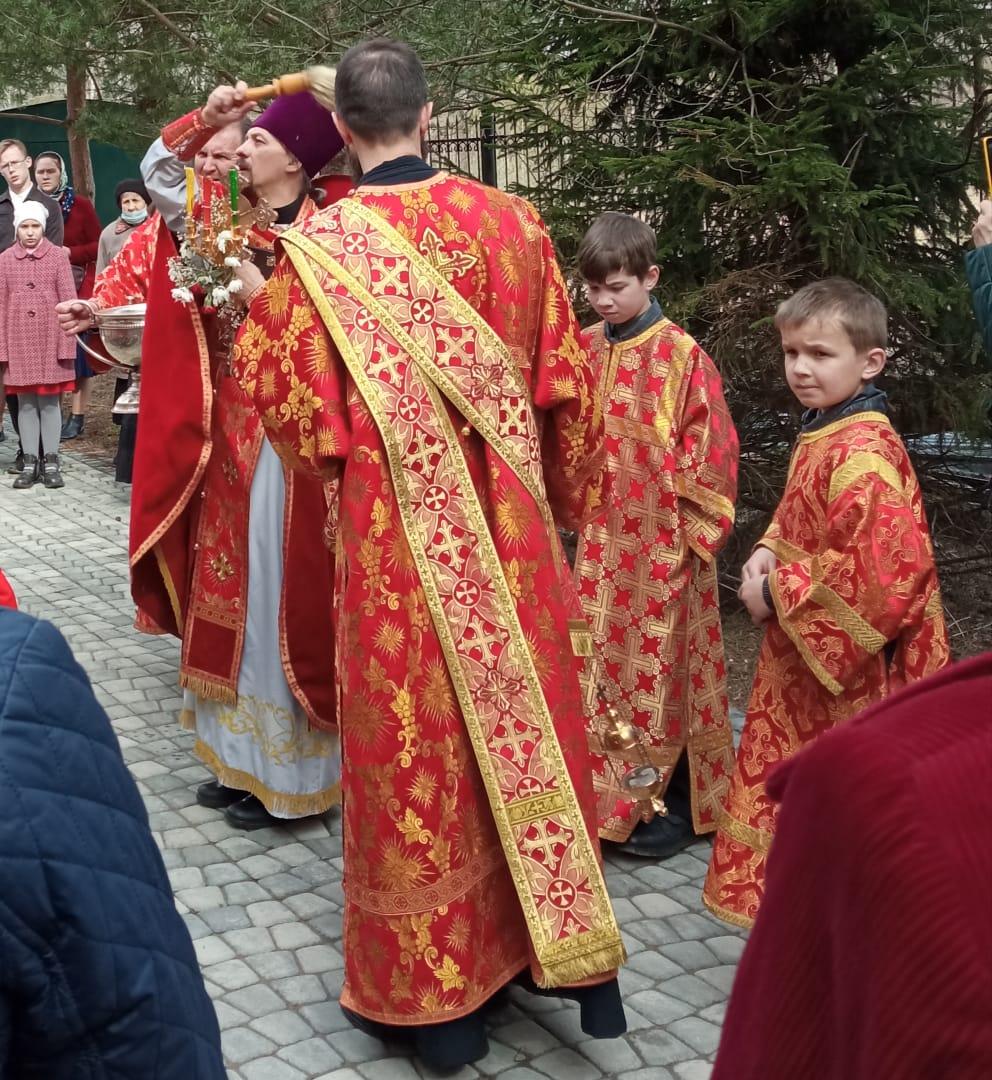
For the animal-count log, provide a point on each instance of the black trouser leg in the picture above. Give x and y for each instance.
(678, 796)
(125, 448)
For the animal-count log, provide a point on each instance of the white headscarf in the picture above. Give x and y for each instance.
(29, 210)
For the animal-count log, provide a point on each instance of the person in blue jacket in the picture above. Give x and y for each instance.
(98, 978)
(978, 267)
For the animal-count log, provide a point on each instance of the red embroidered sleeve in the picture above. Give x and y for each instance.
(288, 364)
(566, 390)
(187, 135)
(706, 470)
(124, 280)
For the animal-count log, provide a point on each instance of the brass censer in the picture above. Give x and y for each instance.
(622, 742)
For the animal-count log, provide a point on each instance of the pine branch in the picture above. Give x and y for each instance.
(662, 24)
(189, 42)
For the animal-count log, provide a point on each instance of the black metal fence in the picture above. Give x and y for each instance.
(524, 152)
(545, 151)
(466, 143)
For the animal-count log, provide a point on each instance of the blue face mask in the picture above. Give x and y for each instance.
(134, 217)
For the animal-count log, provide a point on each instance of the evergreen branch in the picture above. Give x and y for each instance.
(35, 119)
(296, 18)
(662, 24)
(177, 32)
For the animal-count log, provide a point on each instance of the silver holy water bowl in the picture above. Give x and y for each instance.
(121, 329)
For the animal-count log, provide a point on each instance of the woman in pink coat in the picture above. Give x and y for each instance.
(36, 358)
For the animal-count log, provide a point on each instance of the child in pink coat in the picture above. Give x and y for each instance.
(37, 359)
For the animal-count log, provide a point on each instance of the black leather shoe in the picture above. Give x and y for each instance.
(450, 1046)
(29, 472)
(375, 1028)
(216, 796)
(249, 813)
(51, 475)
(445, 1047)
(659, 838)
(601, 1012)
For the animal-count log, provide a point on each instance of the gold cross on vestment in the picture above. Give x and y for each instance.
(432, 247)
(600, 608)
(616, 541)
(634, 661)
(547, 843)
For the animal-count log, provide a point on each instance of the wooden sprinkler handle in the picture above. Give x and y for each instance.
(296, 83)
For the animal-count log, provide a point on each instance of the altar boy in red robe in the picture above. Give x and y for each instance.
(844, 576)
(646, 571)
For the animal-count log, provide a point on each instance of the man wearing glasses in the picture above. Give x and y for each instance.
(15, 167)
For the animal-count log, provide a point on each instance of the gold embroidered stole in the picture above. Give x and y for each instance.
(408, 351)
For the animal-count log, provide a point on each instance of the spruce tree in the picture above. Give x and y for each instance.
(770, 143)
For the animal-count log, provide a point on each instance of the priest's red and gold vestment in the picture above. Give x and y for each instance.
(857, 616)
(199, 442)
(399, 347)
(646, 571)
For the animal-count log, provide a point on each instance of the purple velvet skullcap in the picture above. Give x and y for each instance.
(304, 127)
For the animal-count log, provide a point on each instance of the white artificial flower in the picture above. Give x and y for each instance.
(236, 286)
(232, 261)
(224, 237)
(219, 296)
(183, 295)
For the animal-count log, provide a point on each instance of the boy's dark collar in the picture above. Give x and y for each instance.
(617, 332)
(868, 399)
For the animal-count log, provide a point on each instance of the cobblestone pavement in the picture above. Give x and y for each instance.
(264, 908)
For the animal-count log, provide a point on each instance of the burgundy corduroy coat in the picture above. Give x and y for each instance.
(32, 344)
(870, 956)
(82, 238)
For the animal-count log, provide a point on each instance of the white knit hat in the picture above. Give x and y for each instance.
(29, 210)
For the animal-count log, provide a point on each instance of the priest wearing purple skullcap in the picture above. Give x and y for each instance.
(225, 552)
(282, 152)
(256, 662)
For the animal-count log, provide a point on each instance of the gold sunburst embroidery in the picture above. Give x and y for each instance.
(458, 934)
(276, 295)
(397, 870)
(327, 442)
(552, 309)
(422, 788)
(564, 388)
(461, 199)
(389, 638)
(267, 384)
(510, 260)
(364, 720)
(513, 517)
(436, 696)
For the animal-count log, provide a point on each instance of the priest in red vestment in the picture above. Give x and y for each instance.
(844, 576)
(223, 548)
(870, 956)
(416, 344)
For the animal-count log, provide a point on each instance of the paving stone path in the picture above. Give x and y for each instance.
(264, 908)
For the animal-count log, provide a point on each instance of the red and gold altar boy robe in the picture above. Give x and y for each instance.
(857, 616)
(469, 820)
(646, 571)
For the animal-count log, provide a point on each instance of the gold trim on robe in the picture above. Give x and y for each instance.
(552, 861)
